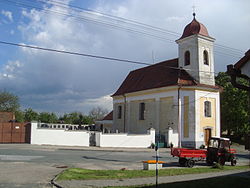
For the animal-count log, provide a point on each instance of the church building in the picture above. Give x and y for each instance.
(176, 97)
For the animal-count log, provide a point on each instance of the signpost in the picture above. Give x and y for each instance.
(247, 145)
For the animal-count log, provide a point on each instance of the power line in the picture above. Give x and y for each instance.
(73, 53)
(96, 21)
(115, 18)
(132, 21)
(193, 101)
(112, 17)
(97, 56)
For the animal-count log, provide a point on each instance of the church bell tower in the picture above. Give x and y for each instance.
(196, 52)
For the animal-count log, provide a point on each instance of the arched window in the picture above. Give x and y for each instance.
(187, 58)
(205, 57)
(207, 109)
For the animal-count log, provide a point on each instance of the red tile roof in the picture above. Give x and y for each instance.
(243, 60)
(154, 76)
(159, 75)
(109, 116)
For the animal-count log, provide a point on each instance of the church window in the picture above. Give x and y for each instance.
(187, 58)
(119, 114)
(207, 109)
(205, 57)
(142, 111)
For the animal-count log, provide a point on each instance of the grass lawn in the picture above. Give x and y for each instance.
(86, 174)
(221, 182)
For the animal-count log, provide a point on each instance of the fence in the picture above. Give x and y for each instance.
(49, 136)
(171, 138)
(14, 132)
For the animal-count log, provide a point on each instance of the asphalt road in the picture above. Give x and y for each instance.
(24, 165)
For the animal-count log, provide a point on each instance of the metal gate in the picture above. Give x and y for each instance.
(15, 132)
(92, 141)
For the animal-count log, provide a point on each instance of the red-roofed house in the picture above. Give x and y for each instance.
(106, 123)
(244, 64)
(240, 70)
(177, 96)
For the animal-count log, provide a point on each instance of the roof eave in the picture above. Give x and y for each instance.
(195, 35)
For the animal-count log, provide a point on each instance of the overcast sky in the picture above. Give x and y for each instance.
(61, 83)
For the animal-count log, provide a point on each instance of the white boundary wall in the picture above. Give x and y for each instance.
(46, 136)
(171, 138)
(126, 140)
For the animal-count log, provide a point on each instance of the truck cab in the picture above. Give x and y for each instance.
(219, 151)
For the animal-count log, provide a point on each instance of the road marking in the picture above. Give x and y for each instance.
(18, 157)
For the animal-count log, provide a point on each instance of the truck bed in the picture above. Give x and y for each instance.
(188, 153)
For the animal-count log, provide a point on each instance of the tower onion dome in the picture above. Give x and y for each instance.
(193, 28)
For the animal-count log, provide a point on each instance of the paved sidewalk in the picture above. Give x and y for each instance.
(143, 181)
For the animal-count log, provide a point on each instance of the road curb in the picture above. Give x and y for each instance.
(53, 181)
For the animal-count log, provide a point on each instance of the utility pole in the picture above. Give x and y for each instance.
(179, 109)
(157, 157)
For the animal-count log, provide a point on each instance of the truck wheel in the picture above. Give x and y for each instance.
(182, 161)
(222, 161)
(233, 162)
(190, 163)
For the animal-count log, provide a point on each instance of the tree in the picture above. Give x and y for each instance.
(47, 117)
(19, 115)
(30, 115)
(234, 107)
(87, 120)
(76, 118)
(98, 113)
(8, 102)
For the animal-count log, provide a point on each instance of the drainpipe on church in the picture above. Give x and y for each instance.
(179, 117)
(124, 114)
(179, 109)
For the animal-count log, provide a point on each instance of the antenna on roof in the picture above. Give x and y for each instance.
(153, 57)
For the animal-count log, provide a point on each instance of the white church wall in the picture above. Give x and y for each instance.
(199, 129)
(206, 72)
(191, 115)
(152, 99)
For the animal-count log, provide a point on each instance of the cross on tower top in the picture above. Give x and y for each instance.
(193, 7)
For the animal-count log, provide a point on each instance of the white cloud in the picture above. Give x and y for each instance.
(103, 101)
(7, 14)
(10, 70)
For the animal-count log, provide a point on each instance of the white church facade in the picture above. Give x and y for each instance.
(177, 97)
